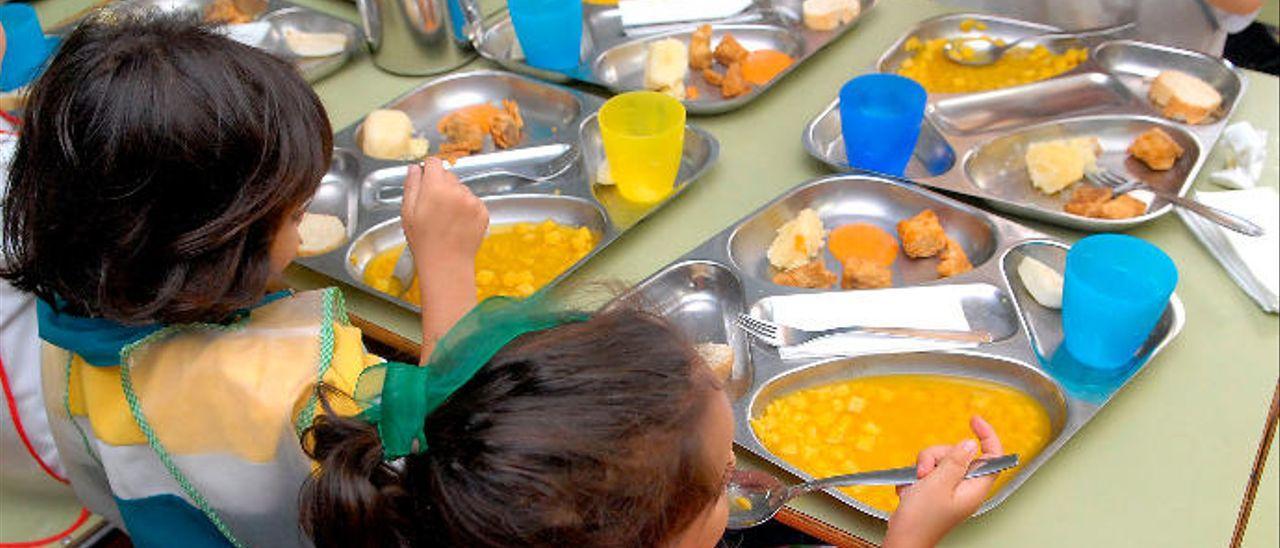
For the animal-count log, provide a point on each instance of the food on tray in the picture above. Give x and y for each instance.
(811, 275)
(226, 11)
(930, 66)
(320, 234)
(700, 56)
(465, 129)
(1156, 149)
(860, 273)
(742, 502)
(922, 236)
(1042, 282)
(874, 423)
(798, 241)
(1055, 165)
(1099, 203)
(734, 83)
(388, 135)
(514, 260)
(969, 25)
(730, 51)
(1184, 97)
(666, 66)
(864, 241)
(314, 44)
(829, 14)
(953, 261)
(763, 65)
(717, 356)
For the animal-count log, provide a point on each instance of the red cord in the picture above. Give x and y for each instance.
(84, 516)
(17, 424)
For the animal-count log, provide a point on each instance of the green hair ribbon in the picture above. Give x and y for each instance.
(397, 397)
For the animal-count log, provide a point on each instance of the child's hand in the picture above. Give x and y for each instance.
(443, 221)
(942, 498)
(444, 224)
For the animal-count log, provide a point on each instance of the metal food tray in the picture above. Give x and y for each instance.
(615, 59)
(703, 291)
(552, 114)
(282, 15)
(973, 144)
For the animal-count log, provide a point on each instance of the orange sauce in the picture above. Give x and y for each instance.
(763, 65)
(864, 241)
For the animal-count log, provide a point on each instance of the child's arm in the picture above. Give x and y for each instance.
(444, 224)
(942, 498)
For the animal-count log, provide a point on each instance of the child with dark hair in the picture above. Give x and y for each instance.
(155, 193)
(528, 429)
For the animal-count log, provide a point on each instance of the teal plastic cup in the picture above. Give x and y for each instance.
(1115, 290)
(549, 31)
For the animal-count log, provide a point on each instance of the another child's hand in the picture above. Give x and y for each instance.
(443, 221)
(942, 498)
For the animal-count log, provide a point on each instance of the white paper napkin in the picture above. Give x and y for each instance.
(1260, 255)
(919, 307)
(637, 13)
(1246, 153)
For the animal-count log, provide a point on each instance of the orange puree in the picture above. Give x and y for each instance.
(864, 241)
(763, 65)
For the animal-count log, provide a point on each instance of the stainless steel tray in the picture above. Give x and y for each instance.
(615, 59)
(282, 15)
(703, 291)
(973, 144)
(552, 115)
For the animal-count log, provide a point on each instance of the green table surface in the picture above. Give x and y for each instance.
(1165, 464)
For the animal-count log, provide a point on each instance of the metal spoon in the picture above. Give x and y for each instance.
(756, 496)
(977, 51)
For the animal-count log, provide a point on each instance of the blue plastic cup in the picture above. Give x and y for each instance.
(880, 117)
(550, 31)
(27, 48)
(1115, 289)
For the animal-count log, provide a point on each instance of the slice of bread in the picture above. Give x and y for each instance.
(320, 234)
(1184, 97)
(825, 15)
(719, 357)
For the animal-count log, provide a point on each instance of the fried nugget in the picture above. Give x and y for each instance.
(729, 51)
(1156, 149)
(734, 83)
(922, 236)
(461, 134)
(700, 48)
(1122, 207)
(811, 275)
(714, 78)
(1087, 201)
(953, 261)
(863, 274)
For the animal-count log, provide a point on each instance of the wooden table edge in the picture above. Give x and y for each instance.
(1255, 475)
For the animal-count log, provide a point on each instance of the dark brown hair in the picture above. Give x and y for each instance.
(582, 435)
(156, 163)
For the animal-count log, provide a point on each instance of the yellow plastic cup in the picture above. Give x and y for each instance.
(643, 134)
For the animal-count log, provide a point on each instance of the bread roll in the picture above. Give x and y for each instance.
(719, 357)
(320, 234)
(1184, 97)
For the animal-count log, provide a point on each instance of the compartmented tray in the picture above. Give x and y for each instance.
(354, 189)
(281, 15)
(703, 291)
(615, 59)
(973, 144)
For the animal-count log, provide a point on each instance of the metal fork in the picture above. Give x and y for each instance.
(1120, 185)
(775, 334)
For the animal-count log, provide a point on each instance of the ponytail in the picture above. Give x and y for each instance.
(353, 498)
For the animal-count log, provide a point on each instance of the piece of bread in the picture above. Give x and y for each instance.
(1055, 165)
(388, 135)
(1042, 282)
(314, 44)
(666, 66)
(320, 234)
(1184, 97)
(824, 15)
(1156, 149)
(719, 357)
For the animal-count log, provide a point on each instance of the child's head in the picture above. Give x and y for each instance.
(158, 171)
(609, 432)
